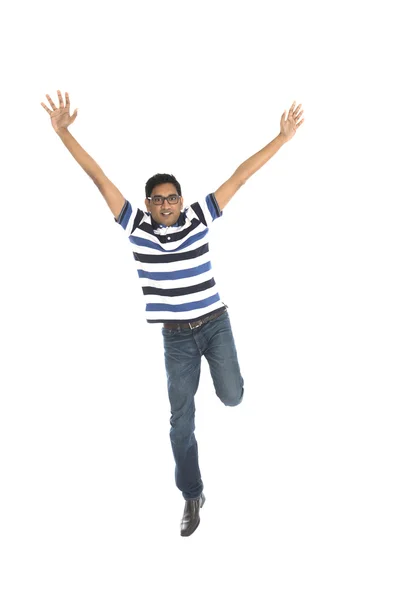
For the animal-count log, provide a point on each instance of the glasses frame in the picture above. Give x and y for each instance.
(167, 198)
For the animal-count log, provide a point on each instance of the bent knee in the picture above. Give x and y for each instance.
(233, 399)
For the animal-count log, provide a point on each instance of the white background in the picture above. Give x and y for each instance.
(302, 479)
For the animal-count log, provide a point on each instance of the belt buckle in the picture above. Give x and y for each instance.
(201, 323)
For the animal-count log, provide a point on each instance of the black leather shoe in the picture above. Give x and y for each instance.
(191, 515)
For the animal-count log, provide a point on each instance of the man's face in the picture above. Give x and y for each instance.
(166, 214)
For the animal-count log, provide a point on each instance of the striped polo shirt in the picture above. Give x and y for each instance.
(174, 263)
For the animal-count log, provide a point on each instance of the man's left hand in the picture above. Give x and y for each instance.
(290, 125)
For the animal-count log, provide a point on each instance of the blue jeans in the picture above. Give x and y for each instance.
(183, 349)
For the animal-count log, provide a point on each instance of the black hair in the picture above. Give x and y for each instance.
(162, 178)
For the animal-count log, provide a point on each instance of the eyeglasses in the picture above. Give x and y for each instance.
(172, 199)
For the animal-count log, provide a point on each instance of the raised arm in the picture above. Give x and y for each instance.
(288, 128)
(61, 120)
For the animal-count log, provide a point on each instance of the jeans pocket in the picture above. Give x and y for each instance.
(168, 332)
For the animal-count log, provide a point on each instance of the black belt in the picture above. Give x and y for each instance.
(195, 324)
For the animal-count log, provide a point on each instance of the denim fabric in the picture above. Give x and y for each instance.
(183, 349)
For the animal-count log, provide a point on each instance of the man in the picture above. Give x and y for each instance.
(170, 246)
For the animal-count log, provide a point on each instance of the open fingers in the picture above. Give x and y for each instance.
(53, 106)
(61, 99)
(291, 109)
(45, 107)
(297, 117)
(296, 112)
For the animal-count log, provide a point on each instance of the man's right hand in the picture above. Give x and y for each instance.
(60, 118)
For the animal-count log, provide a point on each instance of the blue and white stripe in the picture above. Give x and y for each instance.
(173, 263)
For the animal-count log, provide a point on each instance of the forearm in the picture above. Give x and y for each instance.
(81, 156)
(255, 162)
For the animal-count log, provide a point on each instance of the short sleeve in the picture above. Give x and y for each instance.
(207, 210)
(129, 218)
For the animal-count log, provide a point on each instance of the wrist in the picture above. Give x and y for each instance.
(61, 131)
(282, 138)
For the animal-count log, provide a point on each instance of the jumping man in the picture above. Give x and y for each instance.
(170, 246)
